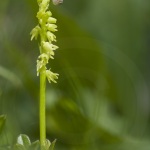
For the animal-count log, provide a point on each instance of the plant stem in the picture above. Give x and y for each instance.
(42, 108)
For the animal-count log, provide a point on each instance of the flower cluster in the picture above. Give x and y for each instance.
(45, 30)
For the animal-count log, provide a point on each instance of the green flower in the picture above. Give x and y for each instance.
(51, 76)
(45, 28)
(49, 49)
(51, 27)
(41, 62)
(51, 20)
(51, 37)
(35, 32)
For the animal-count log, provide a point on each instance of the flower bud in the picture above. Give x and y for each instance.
(51, 20)
(51, 27)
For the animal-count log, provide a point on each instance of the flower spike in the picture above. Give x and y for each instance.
(45, 30)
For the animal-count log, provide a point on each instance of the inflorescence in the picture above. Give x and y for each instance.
(45, 29)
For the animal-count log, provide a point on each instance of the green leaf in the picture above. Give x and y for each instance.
(19, 147)
(2, 122)
(23, 143)
(52, 145)
(35, 145)
(47, 145)
(24, 140)
(10, 76)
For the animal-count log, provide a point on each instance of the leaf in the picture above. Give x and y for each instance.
(23, 143)
(2, 122)
(10, 76)
(47, 145)
(35, 145)
(52, 145)
(19, 147)
(24, 140)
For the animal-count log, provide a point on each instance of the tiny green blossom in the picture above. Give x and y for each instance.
(41, 62)
(35, 32)
(51, 20)
(45, 30)
(51, 37)
(51, 76)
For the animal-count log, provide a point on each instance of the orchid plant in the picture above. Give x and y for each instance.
(45, 31)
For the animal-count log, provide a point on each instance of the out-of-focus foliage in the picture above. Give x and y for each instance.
(2, 122)
(101, 100)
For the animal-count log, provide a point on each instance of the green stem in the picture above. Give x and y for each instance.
(42, 108)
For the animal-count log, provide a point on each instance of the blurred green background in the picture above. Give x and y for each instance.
(101, 100)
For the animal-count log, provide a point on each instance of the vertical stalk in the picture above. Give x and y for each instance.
(45, 30)
(42, 108)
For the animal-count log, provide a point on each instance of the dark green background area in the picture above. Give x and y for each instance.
(101, 100)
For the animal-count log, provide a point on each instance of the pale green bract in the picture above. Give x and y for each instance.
(45, 30)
